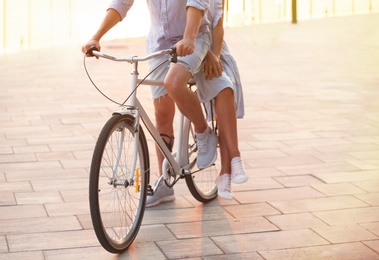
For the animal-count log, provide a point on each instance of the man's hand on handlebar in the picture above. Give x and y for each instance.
(90, 46)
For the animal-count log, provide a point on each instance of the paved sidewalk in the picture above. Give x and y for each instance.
(310, 141)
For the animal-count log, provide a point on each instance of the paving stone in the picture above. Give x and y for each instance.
(46, 174)
(145, 250)
(2, 178)
(366, 164)
(150, 233)
(277, 194)
(295, 221)
(349, 251)
(74, 195)
(283, 161)
(244, 256)
(344, 233)
(38, 255)
(251, 210)
(217, 202)
(350, 148)
(349, 216)
(3, 244)
(38, 197)
(318, 168)
(14, 158)
(318, 204)
(188, 248)
(7, 200)
(5, 149)
(54, 156)
(184, 215)
(365, 155)
(354, 176)
(254, 183)
(67, 208)
(333, 157)
(265, 172)
(63, 184)
(85, 221)
(9, 187)
(374, 245)
(79, 253)
(336, 189)
(297, 181)
(221, 227)
(372, 227)
(51, 240)
(22, 211)
(76, 163)
(284, 136)
(315, 142)
(39, 225)
(371, 199)
(267, 153)
(369, 186)
(268, 241)
(24, 166)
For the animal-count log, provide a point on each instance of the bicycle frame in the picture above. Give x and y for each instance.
(134, 108)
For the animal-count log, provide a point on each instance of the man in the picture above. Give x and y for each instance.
(183, 24)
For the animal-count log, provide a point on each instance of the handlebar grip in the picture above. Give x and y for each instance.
(174, 56)
(91, 49)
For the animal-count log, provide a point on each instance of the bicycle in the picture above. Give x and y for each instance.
(120, 169)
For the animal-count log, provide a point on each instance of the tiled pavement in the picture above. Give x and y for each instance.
(310, 141)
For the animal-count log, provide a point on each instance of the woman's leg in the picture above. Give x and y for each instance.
(227, 125)
(231, 162)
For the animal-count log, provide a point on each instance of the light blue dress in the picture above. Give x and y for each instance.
(208, 89)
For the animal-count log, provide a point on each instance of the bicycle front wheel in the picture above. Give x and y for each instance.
(117, 193)
(201, 182)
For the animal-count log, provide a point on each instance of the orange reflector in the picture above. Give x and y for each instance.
(137, 180)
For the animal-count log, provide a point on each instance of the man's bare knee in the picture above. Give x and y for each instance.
(176, 78)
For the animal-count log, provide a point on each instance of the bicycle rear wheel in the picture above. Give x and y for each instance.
(201, 182)
(117, 196)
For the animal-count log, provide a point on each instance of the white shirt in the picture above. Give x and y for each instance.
(168, 20)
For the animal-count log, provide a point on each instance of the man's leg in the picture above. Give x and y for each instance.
(164, 119)
(164, 108)
(188, 103)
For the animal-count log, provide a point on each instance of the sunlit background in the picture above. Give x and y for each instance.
(35, 24)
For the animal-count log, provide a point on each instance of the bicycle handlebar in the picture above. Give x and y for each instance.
(93, 51)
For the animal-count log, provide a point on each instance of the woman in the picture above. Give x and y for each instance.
(220, 80)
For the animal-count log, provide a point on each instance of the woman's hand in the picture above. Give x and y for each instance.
(212, 66)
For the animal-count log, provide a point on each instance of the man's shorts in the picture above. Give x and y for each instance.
(192, 62)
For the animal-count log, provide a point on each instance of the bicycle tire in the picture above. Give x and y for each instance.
(201, 182)
(117, 205)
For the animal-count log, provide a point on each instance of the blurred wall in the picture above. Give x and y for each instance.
(34, 24)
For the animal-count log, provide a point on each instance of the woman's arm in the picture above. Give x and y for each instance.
(213, 65)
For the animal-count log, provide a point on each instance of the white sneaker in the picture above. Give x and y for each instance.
(238, 171)
(206, 146)
(224, 186)
(162, 193)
